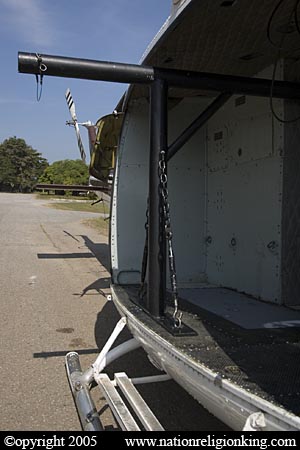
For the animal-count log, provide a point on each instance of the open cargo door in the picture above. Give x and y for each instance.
(103, 157)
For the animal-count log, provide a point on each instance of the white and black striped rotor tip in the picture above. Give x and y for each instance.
(71, 106)
(70, 103)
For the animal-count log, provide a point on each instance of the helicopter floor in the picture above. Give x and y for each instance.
(261, 361)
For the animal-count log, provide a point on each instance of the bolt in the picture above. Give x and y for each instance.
(78, 386)
(89, 418)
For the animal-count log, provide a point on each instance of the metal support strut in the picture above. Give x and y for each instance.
(159, 226)
(61, 66)
(156, 290)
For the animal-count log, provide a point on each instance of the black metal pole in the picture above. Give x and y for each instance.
(156, 288)
(259, 87)
(131, 73)
(197, 123)
(88, 69)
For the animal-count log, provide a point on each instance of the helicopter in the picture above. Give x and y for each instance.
(204, 220)
(102, 138)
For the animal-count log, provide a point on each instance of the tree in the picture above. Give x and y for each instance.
(67, 171)
(20, 165)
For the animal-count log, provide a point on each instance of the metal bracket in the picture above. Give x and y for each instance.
(255, 422)
(167, 321)
(100, 362)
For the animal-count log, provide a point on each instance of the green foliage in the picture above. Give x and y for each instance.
(20, 165)
(66, 172)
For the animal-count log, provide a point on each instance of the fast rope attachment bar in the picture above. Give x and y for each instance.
(177, 316)
(42, 68)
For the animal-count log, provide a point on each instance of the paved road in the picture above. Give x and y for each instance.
(53, 280)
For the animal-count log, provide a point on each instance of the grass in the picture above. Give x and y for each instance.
(82, 206)
(86, 205)
(99, 224)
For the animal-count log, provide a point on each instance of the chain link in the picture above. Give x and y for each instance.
(163, 178)
(42, 69)
(142, 290)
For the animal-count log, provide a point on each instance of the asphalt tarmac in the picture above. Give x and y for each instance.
(53, 284)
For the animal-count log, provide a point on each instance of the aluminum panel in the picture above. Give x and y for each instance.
(217, 143)
(186, 174)
(244, 228)
(291, 210)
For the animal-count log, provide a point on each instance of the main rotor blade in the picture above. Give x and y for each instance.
(80, 144)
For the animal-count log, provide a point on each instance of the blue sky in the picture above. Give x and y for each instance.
(109, 30)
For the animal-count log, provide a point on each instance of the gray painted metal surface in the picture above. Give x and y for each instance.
(242, 309)
(225, 188)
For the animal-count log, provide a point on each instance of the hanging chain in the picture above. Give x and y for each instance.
(42, 68)
(142, 290)
(169, 235)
